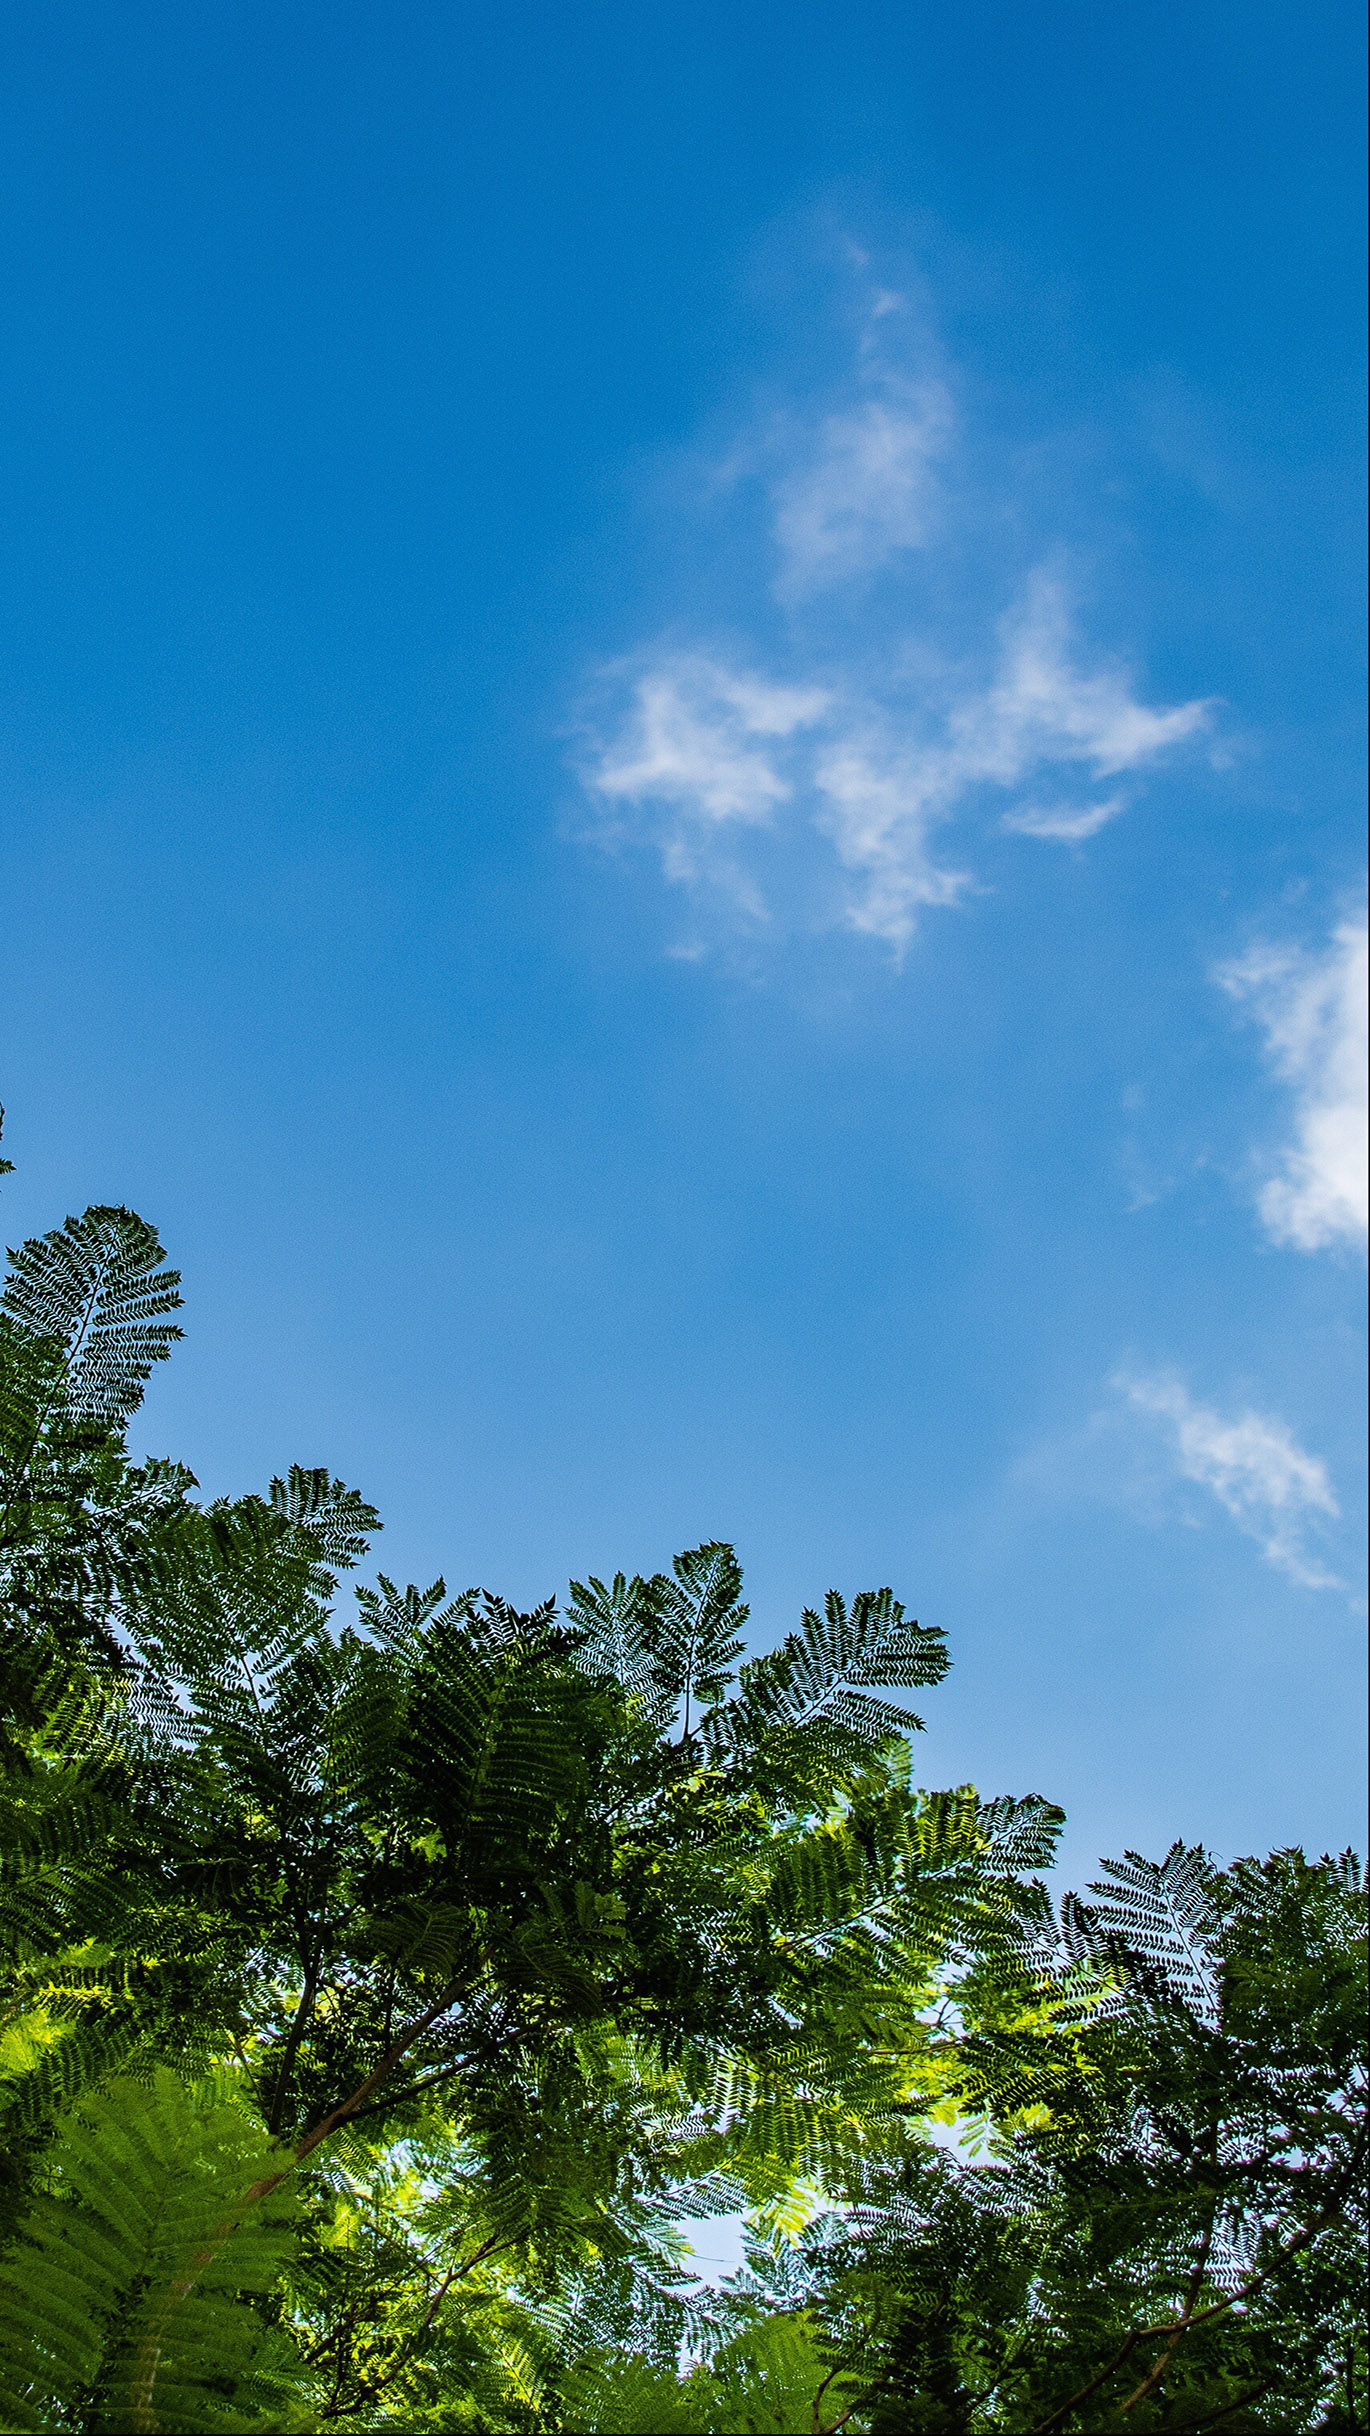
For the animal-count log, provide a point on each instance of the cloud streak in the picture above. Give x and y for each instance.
(1312, 1007)
(1252, 1464)
(863, 492)
(821, 768)
(1060, 821)
(701, 750)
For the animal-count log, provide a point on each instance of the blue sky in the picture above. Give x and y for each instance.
(681, 745)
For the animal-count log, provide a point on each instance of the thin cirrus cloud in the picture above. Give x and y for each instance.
(1312, 1008)
(1062, 822)
(863, 490)
(845, 766)
(702, 750)
(1274, 1491)
(705, 746)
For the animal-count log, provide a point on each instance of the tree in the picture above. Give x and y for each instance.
(381, 1990)
(565, 1907)
(1165, 2226)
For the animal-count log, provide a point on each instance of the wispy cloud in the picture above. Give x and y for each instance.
(1062, 821)
(1045, 708)
(878, 805)
(700, 747)
(863, 489)
(1312, 1006)
(1273, 1489)
(701, 735)
(842, 748)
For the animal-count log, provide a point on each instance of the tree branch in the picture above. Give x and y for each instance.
(1195, 2427)
(150, 2349)
(1182, 2325)
(834, 2425)
(1056, 2419)
(401, 2097)
(368, 2393)
(297, 2030)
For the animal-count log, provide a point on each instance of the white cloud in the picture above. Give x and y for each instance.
(1064, 821)
(878, 810)
(1254, 1466)
(690, 738)
(701, 740)
(806, 783)
(1044, 708)
(862, 490)
(1312, 1008)
(701, 747)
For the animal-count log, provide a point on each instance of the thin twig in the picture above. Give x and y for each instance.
(368, 2393)
(1182, 2326)
(293, 2042)
(1056, 2419)
(401, 2097)
(834, 2425)
(1195, 2427)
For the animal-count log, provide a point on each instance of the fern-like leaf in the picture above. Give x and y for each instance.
(336, 1519)
(129, 2297)
(671, 1640)
(100, 1287)
(1157, 1916)
(812, 1701)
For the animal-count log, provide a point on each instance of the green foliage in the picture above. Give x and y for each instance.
(382, 1988)
(98, 1289)
(84, 1533)
(671, 1640)
(1166, 2225)
(126, 2298)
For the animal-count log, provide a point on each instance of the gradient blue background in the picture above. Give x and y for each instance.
(340, 344)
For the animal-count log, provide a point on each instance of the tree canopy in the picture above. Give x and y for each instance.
(389, 1978)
